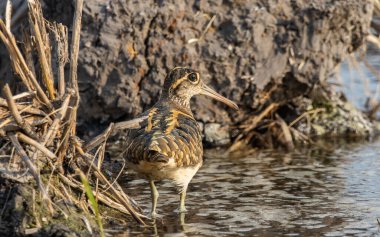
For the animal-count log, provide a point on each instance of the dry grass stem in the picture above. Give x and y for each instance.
(121, 198)
(74, 55)
(307, 113)
(286, 132)
(8, 13)
(43, 47)
(38, 124)
(28, 51)
(19, 64)
(193, 40)
(16, 114)
(246, 135)
(61, 36)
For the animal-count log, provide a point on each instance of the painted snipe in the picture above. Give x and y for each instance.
(167, 143)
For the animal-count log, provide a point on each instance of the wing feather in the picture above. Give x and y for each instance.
(164, 135)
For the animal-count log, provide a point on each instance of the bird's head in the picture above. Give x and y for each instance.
(183, 83)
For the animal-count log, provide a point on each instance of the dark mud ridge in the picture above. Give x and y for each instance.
(273, 59)
(254, 52)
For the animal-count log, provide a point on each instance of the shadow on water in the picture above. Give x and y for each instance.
(309, 192)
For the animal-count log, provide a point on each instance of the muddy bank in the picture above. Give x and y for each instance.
(273, 59)
(254, 52)
(25, 214)
(47, 173)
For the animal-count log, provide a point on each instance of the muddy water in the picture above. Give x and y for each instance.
(314, 192)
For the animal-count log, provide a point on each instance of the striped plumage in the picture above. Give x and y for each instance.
(167, 132)
(167, 144)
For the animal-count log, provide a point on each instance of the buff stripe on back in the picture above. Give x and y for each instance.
(152, 112)
(173, 120)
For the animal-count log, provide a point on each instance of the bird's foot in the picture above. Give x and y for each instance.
(181, 210)
(154, 215)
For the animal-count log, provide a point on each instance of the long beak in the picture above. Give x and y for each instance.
(213, 94)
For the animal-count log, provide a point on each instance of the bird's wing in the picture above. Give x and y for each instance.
(179, 139)
(118, 142)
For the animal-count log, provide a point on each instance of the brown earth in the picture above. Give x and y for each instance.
(254, 52)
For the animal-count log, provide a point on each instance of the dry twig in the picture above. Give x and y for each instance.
(43, 47)
(250, 125)
(16, 114)
(19, 64)
(34, 126)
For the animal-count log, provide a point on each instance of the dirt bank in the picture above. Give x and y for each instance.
(273, 59)
(254, 52)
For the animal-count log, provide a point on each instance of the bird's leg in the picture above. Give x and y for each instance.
(182, 207)
(154, 194)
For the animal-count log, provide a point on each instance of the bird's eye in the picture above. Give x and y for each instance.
(192, 77)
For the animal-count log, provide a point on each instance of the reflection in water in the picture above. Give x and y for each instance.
(303, 193)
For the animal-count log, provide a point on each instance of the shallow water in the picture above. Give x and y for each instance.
(314, 192)
(309, 192)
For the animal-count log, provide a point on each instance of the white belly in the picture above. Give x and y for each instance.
(181, 176)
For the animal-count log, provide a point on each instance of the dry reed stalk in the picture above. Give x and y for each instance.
(73, 81)
(24, 108)
(16, 114)
(100, 196)
(43, 47)
(8, 13)
(117, 194)
(28, 49)
(61, 36)
(19, 64)
(51, 133)
(37, 145)
(74, 55)
(23, 95)
(244, 137)
(286, 132)
(47, 131)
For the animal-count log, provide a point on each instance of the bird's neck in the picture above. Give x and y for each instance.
(179, 102)
(182, 102)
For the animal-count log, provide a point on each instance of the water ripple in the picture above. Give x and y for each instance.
(310, 192)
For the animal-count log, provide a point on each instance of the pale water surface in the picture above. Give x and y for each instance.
(310, 192)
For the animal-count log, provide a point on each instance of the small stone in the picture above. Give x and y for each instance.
(216, 134)
(87, 44)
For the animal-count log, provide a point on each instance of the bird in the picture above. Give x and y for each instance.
(167, 142)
